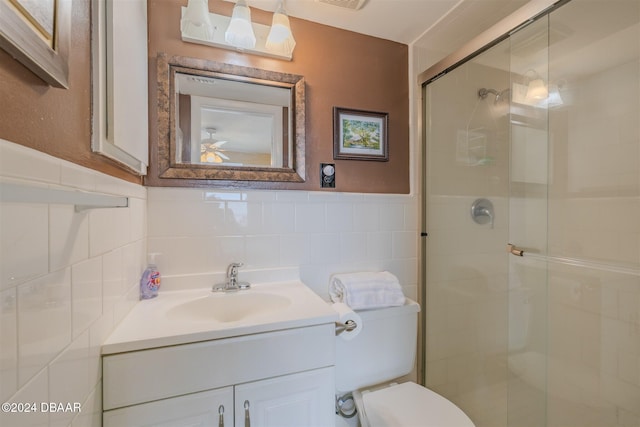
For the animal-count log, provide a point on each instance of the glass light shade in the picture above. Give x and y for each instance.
(537, 90)
(240, 32)
(280, 37)
(554, 96)
(196, 21)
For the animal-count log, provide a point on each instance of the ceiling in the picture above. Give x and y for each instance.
(457, 20)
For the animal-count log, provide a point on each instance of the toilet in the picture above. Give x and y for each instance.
(384, 350)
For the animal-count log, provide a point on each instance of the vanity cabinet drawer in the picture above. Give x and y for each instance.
(148, 375)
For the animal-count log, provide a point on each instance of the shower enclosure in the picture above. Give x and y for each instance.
(535, 142)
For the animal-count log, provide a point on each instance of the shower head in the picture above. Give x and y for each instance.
(484, 92)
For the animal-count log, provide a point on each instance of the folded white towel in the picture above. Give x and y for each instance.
(366, 290)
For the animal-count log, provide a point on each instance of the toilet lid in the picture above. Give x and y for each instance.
(411, 405)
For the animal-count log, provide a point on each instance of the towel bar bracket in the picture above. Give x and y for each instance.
(347, 326)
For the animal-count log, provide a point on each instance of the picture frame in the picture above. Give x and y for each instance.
(37, 34)
(360, 135)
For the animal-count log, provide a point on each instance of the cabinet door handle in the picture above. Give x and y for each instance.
(221, 416)
(247, 416)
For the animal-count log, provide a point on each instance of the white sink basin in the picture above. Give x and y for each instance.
(229, 307)
(193, 315)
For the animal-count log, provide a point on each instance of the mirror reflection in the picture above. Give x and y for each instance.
(228, 122)
(232, 123)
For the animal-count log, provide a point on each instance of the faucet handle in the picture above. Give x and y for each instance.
(232, 270)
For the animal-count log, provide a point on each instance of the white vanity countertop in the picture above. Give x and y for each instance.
(154, 323)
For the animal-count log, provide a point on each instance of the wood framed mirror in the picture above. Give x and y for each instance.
(227, 122)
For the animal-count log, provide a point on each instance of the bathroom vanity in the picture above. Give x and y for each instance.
(170, 362)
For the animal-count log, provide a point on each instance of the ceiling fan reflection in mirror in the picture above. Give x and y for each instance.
(210, 148)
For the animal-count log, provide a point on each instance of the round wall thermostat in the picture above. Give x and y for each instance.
(327, 175)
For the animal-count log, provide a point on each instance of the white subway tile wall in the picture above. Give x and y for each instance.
(66, 280)
(201, 231)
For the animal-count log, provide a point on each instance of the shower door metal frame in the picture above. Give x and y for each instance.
(490, 37)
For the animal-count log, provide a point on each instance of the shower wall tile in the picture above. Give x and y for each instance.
(319, 233)
(66, 281)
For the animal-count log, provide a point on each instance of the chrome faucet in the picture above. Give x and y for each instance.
(231, 283)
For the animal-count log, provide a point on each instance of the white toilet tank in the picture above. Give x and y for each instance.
(384, 349)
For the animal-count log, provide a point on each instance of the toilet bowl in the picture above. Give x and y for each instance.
(385, 350)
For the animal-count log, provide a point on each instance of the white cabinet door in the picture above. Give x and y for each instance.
(120, 120)
(303, 399)
(193, 410)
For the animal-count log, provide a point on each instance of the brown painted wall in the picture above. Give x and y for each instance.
(341, 68)
(55, 121)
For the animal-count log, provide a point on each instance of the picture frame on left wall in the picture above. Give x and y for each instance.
(36, 33)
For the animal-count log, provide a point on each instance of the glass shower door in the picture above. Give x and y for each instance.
(466, 274)
(594, 215)
(486, 180)
(528, 224)
(551, 338)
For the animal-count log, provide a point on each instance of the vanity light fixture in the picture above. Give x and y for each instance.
(280, 38)
(554, 98)
(239, 33)
(536, 89)
(536, 93)
(195, 20)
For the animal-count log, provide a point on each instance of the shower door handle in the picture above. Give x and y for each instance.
(513, 250)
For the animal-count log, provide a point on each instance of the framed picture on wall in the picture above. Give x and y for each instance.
(36, 33)
(360, 135)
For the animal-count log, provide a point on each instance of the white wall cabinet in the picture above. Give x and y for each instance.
(285, 377)
(119, 68)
